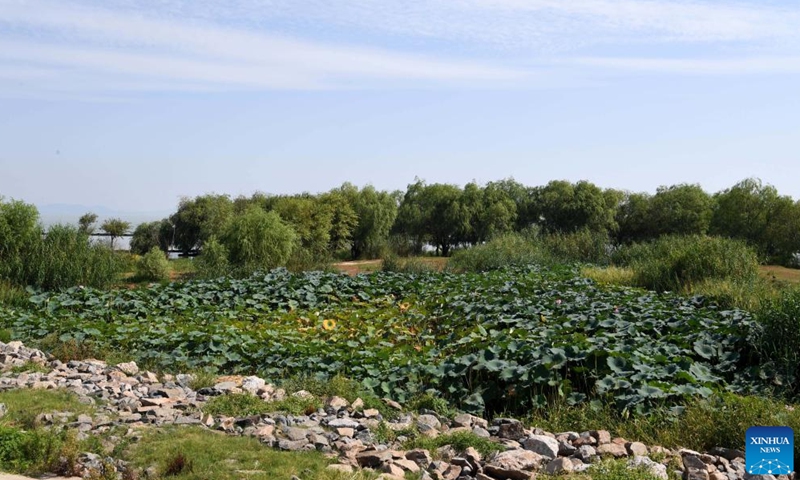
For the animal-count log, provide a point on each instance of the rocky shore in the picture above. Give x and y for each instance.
(131, 401)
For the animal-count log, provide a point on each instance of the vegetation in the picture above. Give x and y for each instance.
(194, 453)
(153, 266)
(505, 340)
(677, 263)
(115, 228)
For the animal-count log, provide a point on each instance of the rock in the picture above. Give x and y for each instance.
(419, 456)
(428, 422)
(392, 404)
(128, 368)
(294, 434)
(614, 449)
(371, 413)
(513, 464)
(292, 445)
(473, 457)
(543, 445)
(512, 430)
(407, 465)
(344, 423)
(393, 470)
(636, 449)
(373, 458)
(3, 410)
(565, 449)
(726, 453)
(656, 469)
(558, 466)
(340, 467)
(338, 403)
(481, 432)
(586, 453)
(602, 436)
(345, 432)
(358, 404)
(693, 461)
(695, 474)
(252, 384)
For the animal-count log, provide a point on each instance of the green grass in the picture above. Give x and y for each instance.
(609, 470)
(705, 424)
(244, 404)
(336, 386)
(24, 405)
(198, 454)
(460, 441)
(610, 275)
(29, 367)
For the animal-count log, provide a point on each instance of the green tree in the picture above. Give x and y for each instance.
(757, 214)
(115, 228)
(566, 207)
(152, 234)
(213, 260)
(633, 218)
(153, 266)
(199, 218)
(86, 223)
(258, 240)
(681, 209)
(344, 219)
(376, 212)
(20, 234)
(491, 210)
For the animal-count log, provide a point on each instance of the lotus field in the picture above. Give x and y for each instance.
(506, 340)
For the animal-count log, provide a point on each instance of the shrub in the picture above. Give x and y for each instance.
(777, 340)
(678, 263)
(153, 266)
(151, 234)
(66, 258)
(581, 246)
(610, 275)
(258, 240)
(213, 260)
(509, 249)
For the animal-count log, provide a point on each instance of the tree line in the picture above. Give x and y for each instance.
(360, 223)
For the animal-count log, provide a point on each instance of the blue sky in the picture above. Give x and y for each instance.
(130, 104)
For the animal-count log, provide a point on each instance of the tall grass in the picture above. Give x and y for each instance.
(509, 249)
(65, 257)
(777, 341)
(680, 263)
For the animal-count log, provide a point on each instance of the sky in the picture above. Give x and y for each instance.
(127, 105)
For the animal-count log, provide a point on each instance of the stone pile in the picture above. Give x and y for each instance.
(132, 399)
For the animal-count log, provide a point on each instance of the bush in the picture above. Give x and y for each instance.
(392, 263)
(153, 266)
(213, 260)
(258, 240)
(777, 340)
(581, 246)
(679, 263)
(505, 250)
(151, 234)
(66, 258)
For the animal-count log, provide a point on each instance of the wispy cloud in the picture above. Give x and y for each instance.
(81, 39)
(200, 45)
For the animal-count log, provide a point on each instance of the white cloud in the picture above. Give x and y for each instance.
(170, 50)
(199, 45)
(736, 66)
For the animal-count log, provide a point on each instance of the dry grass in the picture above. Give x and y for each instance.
(781, 274)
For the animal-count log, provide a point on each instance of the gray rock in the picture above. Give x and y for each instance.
(558, 466)
(543, 445)
(513, 464)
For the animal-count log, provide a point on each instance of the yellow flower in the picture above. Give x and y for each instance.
(404, 307)
(542, 318)
(329, 324)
